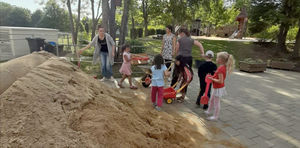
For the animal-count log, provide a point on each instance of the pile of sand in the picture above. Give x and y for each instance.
(56, 104)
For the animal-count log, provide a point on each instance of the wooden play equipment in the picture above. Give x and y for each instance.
(242, 18)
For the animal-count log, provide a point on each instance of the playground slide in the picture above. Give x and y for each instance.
(235, 33)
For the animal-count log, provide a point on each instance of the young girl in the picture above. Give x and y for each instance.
(185, 75)
(159, 70)
(226, 64)
(125, 69)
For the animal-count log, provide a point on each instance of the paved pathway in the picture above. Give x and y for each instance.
(261, 110)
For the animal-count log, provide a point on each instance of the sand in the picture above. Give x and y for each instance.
(57, 105)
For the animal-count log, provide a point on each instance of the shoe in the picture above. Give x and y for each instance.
(207, 112)
(157, 108)
(154, 105)
(103, 79)
(111, 79)
(212, 118)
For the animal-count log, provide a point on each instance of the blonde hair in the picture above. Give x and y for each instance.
(228, 60)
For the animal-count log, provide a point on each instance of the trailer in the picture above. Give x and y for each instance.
(13, 41)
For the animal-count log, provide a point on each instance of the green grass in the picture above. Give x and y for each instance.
(238, 49)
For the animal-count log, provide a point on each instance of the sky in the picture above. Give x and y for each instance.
(32, 5)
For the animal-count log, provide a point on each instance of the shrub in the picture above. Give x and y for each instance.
(136, 46)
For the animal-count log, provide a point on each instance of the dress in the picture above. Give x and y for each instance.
(126, 66)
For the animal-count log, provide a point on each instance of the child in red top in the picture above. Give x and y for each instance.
(226, 64)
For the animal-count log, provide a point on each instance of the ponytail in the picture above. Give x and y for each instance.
(230, 63)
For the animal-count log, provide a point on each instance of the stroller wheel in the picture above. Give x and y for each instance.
(169, 101)
(146, 80)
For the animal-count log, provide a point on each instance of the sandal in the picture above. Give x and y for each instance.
(120, 85)
(180, 99)
(133, 87)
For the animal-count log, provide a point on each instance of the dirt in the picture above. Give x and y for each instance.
(57, 105)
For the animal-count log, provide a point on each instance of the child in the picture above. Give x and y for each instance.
(226, 64)
(185, 75)
(125, 69)
(159, 70)
(208, 67)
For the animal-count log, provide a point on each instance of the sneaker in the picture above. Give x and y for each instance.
(154, 105)
(111, 79)
(212, 118)
(158, 108)
(207, 112)
(103, 79)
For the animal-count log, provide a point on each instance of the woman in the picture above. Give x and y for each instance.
(105, 49)
(168, 46)
(184, 48)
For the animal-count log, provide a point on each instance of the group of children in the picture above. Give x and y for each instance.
(160, 71)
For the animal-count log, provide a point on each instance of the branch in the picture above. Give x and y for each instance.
(98, 10)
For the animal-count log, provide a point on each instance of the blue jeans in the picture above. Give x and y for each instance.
(106, 68)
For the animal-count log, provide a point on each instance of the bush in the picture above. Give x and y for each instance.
(160, 31)
(151, 32)
(269, 33)
(291, 36)
(136, 46)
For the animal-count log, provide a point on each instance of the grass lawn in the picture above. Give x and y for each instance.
(240, 50)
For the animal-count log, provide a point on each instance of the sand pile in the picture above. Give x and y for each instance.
(57, 105)
(12, 70)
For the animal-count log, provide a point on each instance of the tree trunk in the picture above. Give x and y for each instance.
(71, 22)
(93, 20)
(297, 44)
(132, 34)
(124, 22)
(105, 11)
(77, 22)
(145, 15)
(283, 30)
(112, 19)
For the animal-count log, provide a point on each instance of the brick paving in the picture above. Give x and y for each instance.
(261, 110)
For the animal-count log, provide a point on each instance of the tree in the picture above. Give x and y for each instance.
(74, 30)
(5, 10)
(112, 19)
(124, 22)
(54, 17)
(95, 19)
(36, 18)
(145, 9)
(297, 44)
(19, 17)
(105, 14)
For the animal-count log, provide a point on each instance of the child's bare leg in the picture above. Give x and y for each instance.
(129, 80)
(211, 104)
(217, 107)
(123, 78)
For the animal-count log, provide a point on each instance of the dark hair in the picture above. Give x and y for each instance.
(99, 26)
(158, 61)
(125, 46)
(185, 31)
(180, 67)
(169, 27)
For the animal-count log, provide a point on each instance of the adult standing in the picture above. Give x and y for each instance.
(168, 46)
(184, 48)
(105, 50)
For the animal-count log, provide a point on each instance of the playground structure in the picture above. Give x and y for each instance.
(242, 18)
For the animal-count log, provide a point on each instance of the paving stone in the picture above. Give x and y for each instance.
(261, 142)
(230, 131)
(248, 133)
(265, 134)
(245, 141)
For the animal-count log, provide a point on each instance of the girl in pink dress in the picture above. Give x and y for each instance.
(125, 69)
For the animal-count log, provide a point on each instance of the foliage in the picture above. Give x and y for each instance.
(136, 46)
(14, 16)
(36, 18)
(268, 33)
